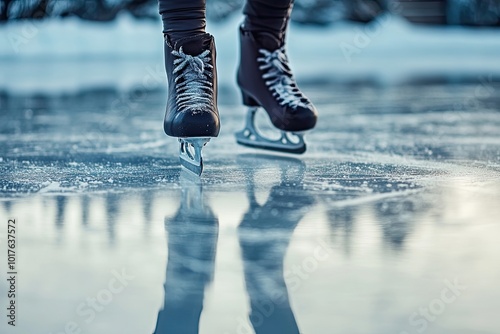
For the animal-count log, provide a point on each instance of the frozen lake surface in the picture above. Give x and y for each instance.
(388, 224)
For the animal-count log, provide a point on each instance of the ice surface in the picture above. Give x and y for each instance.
(395, 200)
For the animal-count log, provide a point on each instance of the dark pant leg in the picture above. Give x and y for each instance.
(267, 15)
(182, 18)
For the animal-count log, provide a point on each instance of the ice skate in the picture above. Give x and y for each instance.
(266, 82)
(191, 113)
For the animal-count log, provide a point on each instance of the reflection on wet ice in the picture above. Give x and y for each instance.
(264, 234)
(191, 237)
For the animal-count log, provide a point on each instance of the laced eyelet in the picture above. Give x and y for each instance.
(279, 79)
(193, 81)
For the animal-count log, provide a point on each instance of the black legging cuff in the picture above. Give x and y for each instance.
(267, 15)
(182, 18)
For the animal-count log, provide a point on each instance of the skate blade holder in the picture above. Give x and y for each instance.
(190, 153)
(289, 142)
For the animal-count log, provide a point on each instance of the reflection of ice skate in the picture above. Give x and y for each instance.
(264, 235)
(266, 80)
(192, 239)
(192, 113)
(287, 202)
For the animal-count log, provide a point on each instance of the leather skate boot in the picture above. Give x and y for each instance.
(192, 87)
(266, 80)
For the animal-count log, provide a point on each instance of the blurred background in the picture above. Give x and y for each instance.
(319, 12)
(64, 46)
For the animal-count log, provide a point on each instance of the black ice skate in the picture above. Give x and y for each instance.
(192, 113)
(266, 81)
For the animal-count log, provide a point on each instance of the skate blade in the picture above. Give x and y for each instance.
(190, 153)
(271, 145)
(289, 142)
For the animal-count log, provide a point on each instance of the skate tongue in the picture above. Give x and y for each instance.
(194, 45)
(267, 41)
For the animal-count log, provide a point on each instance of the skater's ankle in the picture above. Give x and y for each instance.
(192, 44)
(173, 38)
(270, 16)
(269, 40)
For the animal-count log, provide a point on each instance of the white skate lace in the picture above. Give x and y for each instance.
(195, 92)
(279, 78)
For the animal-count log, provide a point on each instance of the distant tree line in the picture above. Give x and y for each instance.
(93, 10)
(318, 12)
